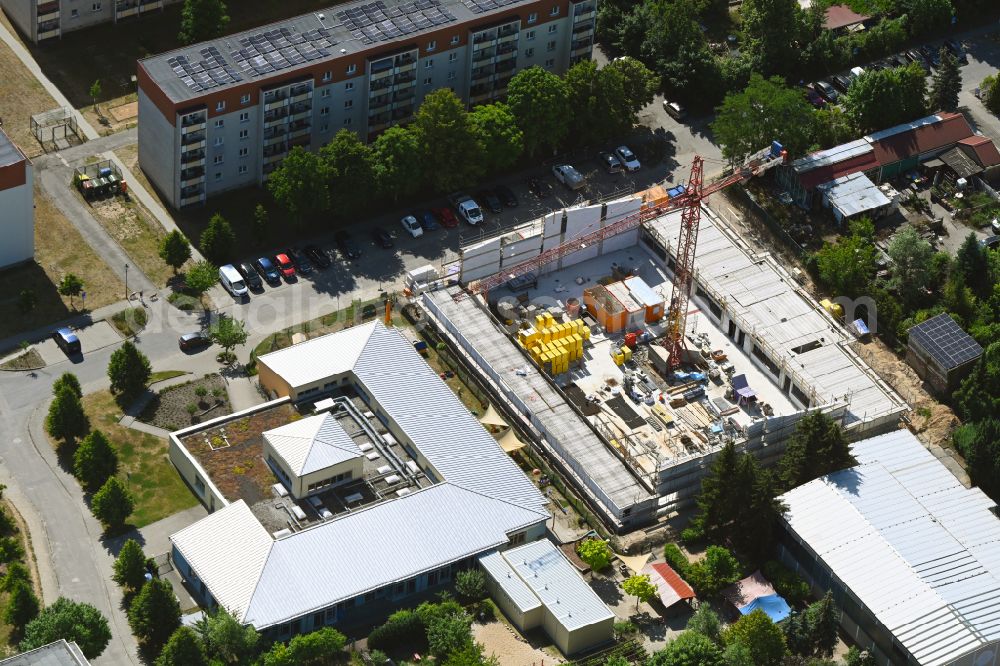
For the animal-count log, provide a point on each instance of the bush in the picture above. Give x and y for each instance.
(595, 552)
(786, 582)
(625, 628)
(471, 585)
(10, 550)
(403, 627)
(676, 558)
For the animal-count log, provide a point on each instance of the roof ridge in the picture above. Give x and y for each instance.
(504, 500)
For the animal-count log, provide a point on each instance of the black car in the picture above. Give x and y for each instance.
(914, 55)
(899, 60)
(507, 196)
(490, 201)
(957, 50)
(250, 276)
(842, 82)
(67, 341)
(195, 340)
(382, 237)
(346, 245)
(826, 91)
(930, 54)
(538, 187)
(301, 261)
(267, 270)
(610, 162)
(318, 256)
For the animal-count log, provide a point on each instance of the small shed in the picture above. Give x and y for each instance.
(941, 352)
(841, 18)
(853, 196)
(643, 294)
(670, 587)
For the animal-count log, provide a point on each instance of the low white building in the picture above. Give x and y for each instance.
(312, 454)
(17, 204)
(536, 586)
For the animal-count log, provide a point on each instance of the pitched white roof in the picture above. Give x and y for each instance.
(541, 570)
(227, 550)
(312, 443)
(920, 550)
(321, 357)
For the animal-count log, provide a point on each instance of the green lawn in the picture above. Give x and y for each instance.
(143, 464)
(164, 375)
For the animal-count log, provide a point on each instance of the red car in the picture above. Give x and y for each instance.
(447, 217)
(285, 265)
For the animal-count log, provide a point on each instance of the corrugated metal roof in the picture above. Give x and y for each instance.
(550, 577)
(227, 550)
(321, 357)
(854, 194)
(917, 548)
(497, 567)
(313, 443)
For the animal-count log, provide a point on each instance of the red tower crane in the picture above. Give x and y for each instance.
(687, 241)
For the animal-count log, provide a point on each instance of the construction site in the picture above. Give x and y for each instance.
(632, 339)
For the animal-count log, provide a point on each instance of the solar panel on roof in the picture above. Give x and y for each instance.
(945, 341)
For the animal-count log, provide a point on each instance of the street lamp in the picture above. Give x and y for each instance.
(126, 282)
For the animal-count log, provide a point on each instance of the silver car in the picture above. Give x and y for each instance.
(568, 176)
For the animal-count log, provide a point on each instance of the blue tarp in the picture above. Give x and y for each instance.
(776, 608)
(860, 327)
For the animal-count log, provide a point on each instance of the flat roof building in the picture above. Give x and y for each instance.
(941, 352)
(17, 201)
(40, 21)
(222, 114)
(911, 555)
(59, 653)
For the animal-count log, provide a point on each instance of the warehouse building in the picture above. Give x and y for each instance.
(387, 490)
(941, 352)
(221, 115)
(536, 586)
(17, 201)
(910, 554)
(50, 19)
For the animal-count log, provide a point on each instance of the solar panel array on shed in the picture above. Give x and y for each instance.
(376, 22)
(274, 50)
(945, 341)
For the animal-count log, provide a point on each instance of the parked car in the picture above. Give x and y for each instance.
(957, 50)
(610, 163)
(674, 110)
(490, 201)
(507, 196)
(914, 55)
(427, 219)
(285, 265)
(346, 245)
(814, 98)
(827, 91)
(538, 187)
(267, 270)
(193, 340)
(931, 55)
(232, 281)
(250, 276)
(67, 341)
(899, 60)
(988, 243)
(412, 226)
(627, 158)
(568, 176)
(300, 261)
(318, 256)
(447, 217)
(842, 82)
(466, 207)
(382, 237)
(995, 226)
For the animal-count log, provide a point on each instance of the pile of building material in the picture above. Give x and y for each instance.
(554, 345)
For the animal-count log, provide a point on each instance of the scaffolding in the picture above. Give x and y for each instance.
(56, 128)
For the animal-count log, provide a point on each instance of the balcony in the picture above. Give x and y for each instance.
(48, 21)
(192, 180)
(583, 31)
(405, 85)
(579, 44)
(405, 77)
(192, 194)
(401, 69)
(485, 54)
(149, 5)
(509, 55)
(377, 127)
(274, 159)
(302, 139)
(402, 114)
(277, 138)
(405, 59)
(272, 152)
(508, 30)
(123, 10)
(378, 104)
(402, 96)
(295, 134)
(583, 15)
(275, 118)
(48, 7)
(272, 103)
(192, 127)
(507, 39)
(580, 54)
(298, 91)
(188, 140)
(479, 99)
(484, 38)
(506, 66)
(299, 115)
(193, 159)
(378, 76)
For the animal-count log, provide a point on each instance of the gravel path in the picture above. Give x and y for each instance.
(511, 650)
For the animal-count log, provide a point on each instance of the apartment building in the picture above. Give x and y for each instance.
(223, 114)
(40, 20)
(17, 201)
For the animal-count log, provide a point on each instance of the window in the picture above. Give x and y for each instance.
(554, 11)
(325, 93)
(218, 140)
(74, 13)
(347, 121)
(244, 152)
(551, 46)
(451, 75)
(452, 57)
(532, 17)
(220, 106)
(428, 64)
(219, 123)
(550, 62)
(349, 86)
(96, 7)
(454, 40)
(217, 159)
(553, 28)
(324, 110)
(324, 128)
(348, 103)
(243, 169)
(529, 53)
(218, 176)
(431, 45)
(327, 76)
(245, 99)
(245, 117)
(351, 69)
(244, 134)
(428, 81)
(517, 538)
(529, 35)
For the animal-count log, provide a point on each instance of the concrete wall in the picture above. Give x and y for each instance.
(592, 635)
(159, 149)
(272, 382)
(21, 14)
(17, 219)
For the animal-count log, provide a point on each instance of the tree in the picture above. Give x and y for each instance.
(979, 444)
(832, 127)
(217, 240)
(22, 607)
(95, 92)
(762, 636)
(593, 118)
(396, 154)
(770, 30)
(971, 265)
(540, 101)
(70, 380)
(858, 657)
(78, 622)
(175, 250)
(738, 654)
(66, 420)
(847, 267)
(879, 99)
(202, 19)
(766, 110)
(947, 83)
(638, 85)
(183, 649)
(500, 140)
(815, 449)
(470, 655)
(154, 615)
(70, 286)
(226, 639)
(911, 256)
(718, 569)
(595, 552)
(199, 278)
(129, 372)
(689, 649)
(640, 587)
(351, 170)
(313, 649)
(16, 573)
(112, 504)
(260, 223)
(228, 333)
(130, 566)
(471, 585)
(94, 461)
(796, 630)
(301, 185)
(449, 633)
(989, 93)
(927, 16)
(445, 135)
(706, 622)
(821, 619)
(27, 299)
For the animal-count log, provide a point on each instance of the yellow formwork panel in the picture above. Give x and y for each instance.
(627, 353)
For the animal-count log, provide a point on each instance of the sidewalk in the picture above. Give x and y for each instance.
(77, 321)
(29, 62)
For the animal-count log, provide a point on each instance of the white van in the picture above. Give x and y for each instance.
(233, 281)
